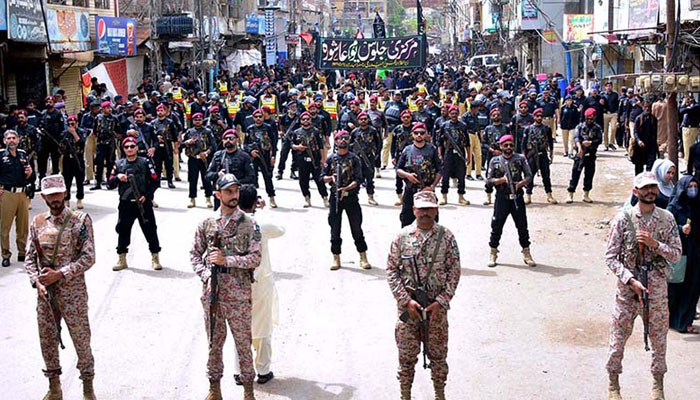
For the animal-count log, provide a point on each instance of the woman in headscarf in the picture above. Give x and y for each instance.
(682, 297)
(664, 171)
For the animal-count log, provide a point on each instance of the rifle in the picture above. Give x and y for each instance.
(73, 153)
(338, 179)
(644, 279)
(357, 149)
(420, 295)
(50, 290)
(309, 153)
(454, 144)
(511, 185)
(213, 289)
(261, 157)
(137, 195)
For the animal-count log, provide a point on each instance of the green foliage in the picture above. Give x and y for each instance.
(396, 19)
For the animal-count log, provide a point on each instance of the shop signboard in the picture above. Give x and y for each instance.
(25, 21)
(69, 30)
(115, 36)
(577, 28)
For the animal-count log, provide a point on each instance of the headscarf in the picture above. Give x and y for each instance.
(660, 168)
(679, 199)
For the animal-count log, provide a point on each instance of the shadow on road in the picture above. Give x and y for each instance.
(164, 273)
(287, 275)
(301, 389)
(547, 269)
(478, 272)
(378, 273)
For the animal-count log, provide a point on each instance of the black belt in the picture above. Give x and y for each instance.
(224, 270)
(14, 189)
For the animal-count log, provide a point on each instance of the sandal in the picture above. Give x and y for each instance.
(690, 330)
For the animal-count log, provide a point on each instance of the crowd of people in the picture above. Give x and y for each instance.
(437, 127)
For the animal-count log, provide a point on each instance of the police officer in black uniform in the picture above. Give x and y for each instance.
(419, 164)
(29, 142)
(216, 124)
(231, 160)
(166, 133)
(366, 144)
(509, 173)
(261, 144)
(288, 123)
(144, 134)
(538, 146)
(72, 146)
(492, 134)
(129, 172)
(453, 146)
(307, 143)
(587, 137)
(199, 145)
(519, 122)
(51, 123)
(106, 126)
(401, 137)
(343, 170)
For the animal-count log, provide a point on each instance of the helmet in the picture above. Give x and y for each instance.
(213, 96)
(293, 92)
(155, 93)
(349, 96)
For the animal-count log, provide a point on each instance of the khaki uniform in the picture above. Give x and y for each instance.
(241, 243)
(621, 257)
(13, 201)
(71, 251)
(440, 281)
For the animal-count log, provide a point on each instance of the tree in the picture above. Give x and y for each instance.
(396, 18)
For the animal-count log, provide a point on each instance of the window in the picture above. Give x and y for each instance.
(81, 3)
(103, 4)
(59, 2)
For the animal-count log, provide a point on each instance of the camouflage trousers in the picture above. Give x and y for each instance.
(627, 308)
(73, 310)
(409, 345)
(239, 321)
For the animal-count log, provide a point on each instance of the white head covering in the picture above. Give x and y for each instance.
(660, 169)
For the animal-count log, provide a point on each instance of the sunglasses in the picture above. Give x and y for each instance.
(131, 146)
(523, 107)
(507, 145)
(306, 119)
(196, 119)
(344, 139)
(257, 116)
(72, 122)
(229, 138)
(419, 133)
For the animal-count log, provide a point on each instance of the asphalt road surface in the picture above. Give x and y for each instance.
(515, 332)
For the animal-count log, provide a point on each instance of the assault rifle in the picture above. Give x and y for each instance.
(261, 157)
(357, 149)
(420, 295)
(213, 289)
(137, 195)
(455, 146)
(309, 153)
(50, 290)
(644, 280)
(72, 152)
(338, 180)
(511, 185)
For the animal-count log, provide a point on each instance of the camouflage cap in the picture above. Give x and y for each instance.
(226, 181)
(645, 179)
(53, 184)
(425, 199)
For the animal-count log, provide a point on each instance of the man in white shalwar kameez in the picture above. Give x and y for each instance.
(265, 301)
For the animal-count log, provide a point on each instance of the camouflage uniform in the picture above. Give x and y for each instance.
(440, 283)
(74, 256)
(241, 237)
(621, 258)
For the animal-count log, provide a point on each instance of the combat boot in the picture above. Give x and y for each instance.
(88, 391)
(528, 198)
(326, 203)
(444, 199)
(570, 198)
(488, 199)
(209, 205)
(462, 201)
(551, 199)
(214, 390)
(364, 264)
(657, 391)
(155, 262)
(405, 391)
(527, 258)
(614, 387)
(192, 204)
(307, 201)
(248, 391)
(54, 392)
(273, 204)
(586, 198)
(493, 256)
(80, 204)
(121, 264)
(154, 204)
(399, 202)
(378, 174)
(371, 200)
(336, 262)
(439, 391)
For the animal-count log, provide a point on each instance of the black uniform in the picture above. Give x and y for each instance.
(506, 202)
(106, 133)
(367, 144)
(262, 138)
(146, 138)
(424, 162)
(146, 181)
(517, 127)
(309, 161)
(350, 170)
(492, 134)
(29, 142)
(454, 165)
(536, 145)
(196, 167)
(53, 124)
(238, 163)
(585, 132)
(287, 124)
(645, 130)
(74, 161)
(401, 137)
(166, 132)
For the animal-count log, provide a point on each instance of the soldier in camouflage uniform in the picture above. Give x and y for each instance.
(434, 251)
(67, 245)
(642, 236)
(230, 243)
(346, 185)
(538, 147)
(492, 134)
(509, 197)
(419, 165)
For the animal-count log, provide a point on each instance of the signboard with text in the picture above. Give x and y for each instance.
(25, 21)
(394, 53)
(115, 36)
(577, 27)
(68, 30)
(3, 15)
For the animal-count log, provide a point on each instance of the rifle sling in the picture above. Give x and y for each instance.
(69, 214)
(441, 233)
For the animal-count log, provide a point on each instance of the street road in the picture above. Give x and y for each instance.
(515, 332)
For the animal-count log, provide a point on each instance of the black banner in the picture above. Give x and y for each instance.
(25, 21)
(379, 29)
(394, 53)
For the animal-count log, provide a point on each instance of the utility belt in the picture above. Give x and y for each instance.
(14, 189)
(245, 273)
(224, 270)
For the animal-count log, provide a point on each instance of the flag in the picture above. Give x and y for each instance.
(379, 29)
(421, 21)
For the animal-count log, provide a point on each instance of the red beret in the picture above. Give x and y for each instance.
(506, 138)
(454, 108)
(106, 104)
(213, 108)
(48, 98)
(141, 111)
(406, 111)
(356, 102)
(257, 111)
(374, 97)
(523, 102)
(158, 107)
(312, 104)
(72, 118)
(590, 112)
(23, 112)
(266, 109)
(305, 113)
(362, 114)
(420, 100)
(340, 133)
(197, 115)
(495, 110)
(419, 125)
(537, 111)
(128, 139)
(230, 132)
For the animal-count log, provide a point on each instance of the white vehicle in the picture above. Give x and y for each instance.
(484, 60)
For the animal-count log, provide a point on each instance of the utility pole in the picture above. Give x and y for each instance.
(672, 98)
